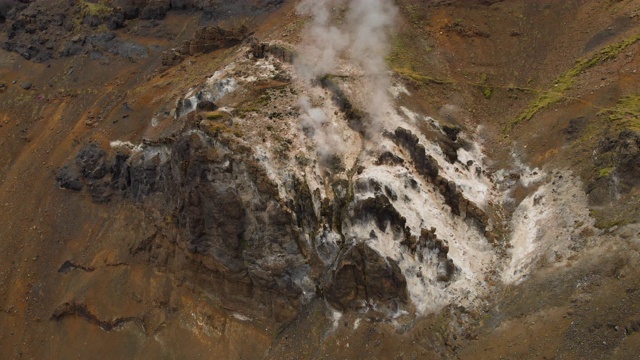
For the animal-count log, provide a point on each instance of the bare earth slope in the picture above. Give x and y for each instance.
(172, 185)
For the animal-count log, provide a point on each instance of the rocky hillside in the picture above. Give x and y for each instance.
(408, 179)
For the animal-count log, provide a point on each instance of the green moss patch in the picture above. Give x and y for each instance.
(568, 79)
(101, 8)
(419, 78)
(216, 115)
(606, 172)
(217, 128)
(626, 112)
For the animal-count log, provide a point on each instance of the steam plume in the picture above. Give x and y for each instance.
(361, 39)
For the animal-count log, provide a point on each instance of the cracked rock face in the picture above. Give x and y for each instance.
(180, 177)
(363, 276)
(231, 225)
(225, 215)
(43, 30)
(264, 238)
(247, 211)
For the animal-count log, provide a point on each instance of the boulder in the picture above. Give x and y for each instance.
(363, 277)
(92, 162)
(171, 58)
(69, 178)
(206, 105)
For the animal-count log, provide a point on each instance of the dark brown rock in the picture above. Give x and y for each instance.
(628, 157)
(445, 267)
(575, 127)
(302, 206)
(260, 50)
(171, 58)
(621, 155)
(155, 9)
(356, 118)
(69, 178)
(92, 162)
(206, 105)
(380, 209)
(389, 158)
(424, 163)
(363, 278)
(452, 132)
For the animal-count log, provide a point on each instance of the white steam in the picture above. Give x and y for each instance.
(322, 42)
(316, 124)
(357, 33)
(369, 47)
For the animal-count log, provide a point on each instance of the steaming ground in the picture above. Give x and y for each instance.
(547, 225)
(301, 127)
(541, 230)
(121, 279)
(359, 41)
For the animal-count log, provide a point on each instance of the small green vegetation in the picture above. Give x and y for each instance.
(217, 128)
(415, 14)
(216, 115)
(626, 112)
(101, 8)
(606, 172)
(419, 78)
(603, 223)
(487, 92)
(243, 111)
(98, 9)
(568, 79)
(409, 51)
